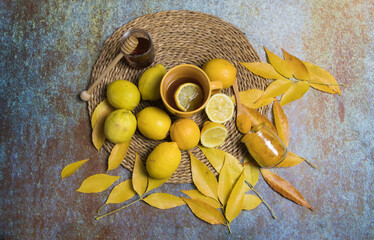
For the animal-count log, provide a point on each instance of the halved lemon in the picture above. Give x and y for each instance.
(220, 108)
(189, 96)
(213, 134)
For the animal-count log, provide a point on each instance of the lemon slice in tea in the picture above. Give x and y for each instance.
(213, 134)
(189, 96)
(220, 108)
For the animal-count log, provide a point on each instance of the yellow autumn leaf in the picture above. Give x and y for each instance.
(204, 211)
(117, 154)
(251, 169)
(297, 66)
(264, 70)
(155, 182)
(258, 118)
(251, 98)
(235, 201)
(228, 176)
(98, 135)
(203, 178)
(279, 64)
(71, 168)
(102, 108)
(276, 88)
(139, 176)
(318, 74)
(291, 160)
(121, 192)
(250, 202)
(163, 200)
(296, 91)
(215, 156)
(281, 123)
(197, 195)
(97, 183)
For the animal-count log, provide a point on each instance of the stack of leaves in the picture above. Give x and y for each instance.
(291, 78)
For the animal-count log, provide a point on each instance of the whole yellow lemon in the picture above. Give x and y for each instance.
(185, 133)
(153, 123)
(220, 70)
(163, 160)
(123, 94)
(120, 126)
(149, 82)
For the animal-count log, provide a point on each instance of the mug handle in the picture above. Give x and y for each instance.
(216, 86)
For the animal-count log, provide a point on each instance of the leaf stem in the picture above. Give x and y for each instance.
(311, 164)
(228, 226)
(326, 84)
(123, 207)
(262, 199)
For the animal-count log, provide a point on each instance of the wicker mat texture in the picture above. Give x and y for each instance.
(180, 37)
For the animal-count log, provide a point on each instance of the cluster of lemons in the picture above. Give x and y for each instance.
(155, 124)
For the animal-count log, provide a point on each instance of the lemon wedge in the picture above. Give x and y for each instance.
(189, 96)
(213, 134)
(220, 108)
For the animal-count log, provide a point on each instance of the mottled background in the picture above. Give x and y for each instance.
(48, 49)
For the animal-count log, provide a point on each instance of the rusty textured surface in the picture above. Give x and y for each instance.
(47, 51)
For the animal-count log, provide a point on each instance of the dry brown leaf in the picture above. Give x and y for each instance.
(205, 212)
(121, 192)
(117, 154)
(97, 183)
(235, 202)
(279, 64)
(139, 176)
(296, 91)
(284, 188)
(71, 168)
(203, 178)
(281, 123)
(163, 200)
(196, 195)
(290, 160)
(297, 66)
(257, 118)
(264, 70)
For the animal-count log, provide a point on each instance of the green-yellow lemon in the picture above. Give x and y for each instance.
(123, 94)
(185, 133)
(153, 123)
(220, 70)
(149, 82)
(120, 126)
(163, 160)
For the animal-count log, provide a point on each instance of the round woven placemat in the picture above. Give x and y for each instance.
(180, 37)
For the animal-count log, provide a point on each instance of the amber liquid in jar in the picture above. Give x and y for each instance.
(142, 47)
(173, 86)
(143, 55)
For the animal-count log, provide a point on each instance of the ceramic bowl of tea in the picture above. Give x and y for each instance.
(182, 74)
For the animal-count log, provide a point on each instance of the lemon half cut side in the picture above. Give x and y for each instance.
(220, 108)
(213, 134)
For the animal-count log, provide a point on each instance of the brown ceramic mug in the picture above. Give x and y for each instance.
(182, 74)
